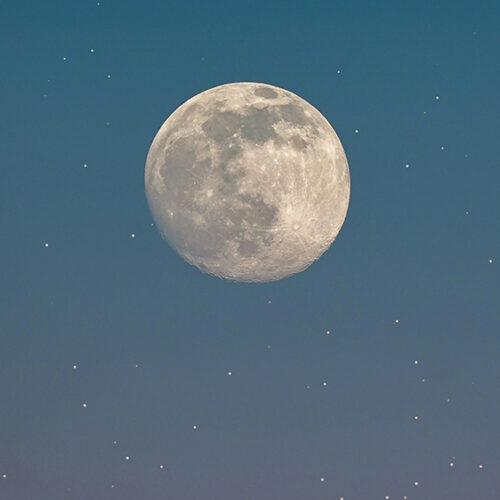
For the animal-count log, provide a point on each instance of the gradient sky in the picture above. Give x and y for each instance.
(409, 290)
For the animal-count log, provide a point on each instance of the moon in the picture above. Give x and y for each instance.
(248, 182)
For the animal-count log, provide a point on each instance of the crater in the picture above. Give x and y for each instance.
(265, 92)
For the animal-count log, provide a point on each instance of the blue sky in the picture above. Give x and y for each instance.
(408, 279)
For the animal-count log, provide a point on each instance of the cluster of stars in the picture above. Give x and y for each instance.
(324, 383)
(327, 332)
(128, 458)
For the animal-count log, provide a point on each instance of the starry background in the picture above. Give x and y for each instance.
(126, 373)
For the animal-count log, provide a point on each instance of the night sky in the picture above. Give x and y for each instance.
(126, 373)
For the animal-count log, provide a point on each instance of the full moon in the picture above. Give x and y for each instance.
(248, 182)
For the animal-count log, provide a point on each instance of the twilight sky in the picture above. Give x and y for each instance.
(125, 373)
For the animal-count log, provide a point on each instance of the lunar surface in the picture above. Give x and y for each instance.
(248, 182)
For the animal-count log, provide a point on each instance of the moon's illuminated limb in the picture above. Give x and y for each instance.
(248, 182)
